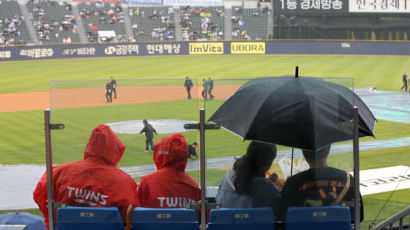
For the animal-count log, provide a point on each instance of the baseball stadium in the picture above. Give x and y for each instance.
(70, 67)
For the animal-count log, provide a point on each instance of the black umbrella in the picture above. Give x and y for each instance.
(302, 112)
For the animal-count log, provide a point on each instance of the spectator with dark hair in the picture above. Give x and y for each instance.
(245, 185)
(320, 185)
(93, 182)
(169, 186)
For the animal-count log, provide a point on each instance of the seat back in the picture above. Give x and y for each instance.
(241, 219)
(79, 218)
(318, 218)
(164, 218)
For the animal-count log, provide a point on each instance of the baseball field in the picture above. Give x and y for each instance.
(152, 88)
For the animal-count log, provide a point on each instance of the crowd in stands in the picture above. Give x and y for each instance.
(10, 33)
(53, 23)
(96, 181)
(199, 24)
(102, 16)
(153, 23)
(249, 23)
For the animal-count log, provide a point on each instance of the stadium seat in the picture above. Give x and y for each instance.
(86, 218)
(241, 219)
(318, 218)
(160, 219)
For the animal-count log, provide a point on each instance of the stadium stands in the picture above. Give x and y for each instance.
(85, 218)
(54, 23)
(355, 27)
(249, 23)
(103, 17)
(152, 23)
(13, 30)
(202, 23)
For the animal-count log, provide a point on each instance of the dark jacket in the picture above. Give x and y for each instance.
(318, 187)
(188, 83)
(148, 130)
(108, 88)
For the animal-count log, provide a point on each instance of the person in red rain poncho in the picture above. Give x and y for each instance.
(169, 186)
(93, 182)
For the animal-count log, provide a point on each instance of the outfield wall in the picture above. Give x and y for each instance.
(16, 53)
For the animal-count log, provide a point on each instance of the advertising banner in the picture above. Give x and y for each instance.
(103, 1)
(381, 6)
(202, 48)
(144, 2)
(311, 6)
(248, 48)
(92, 50)
(203, 3)
(16, 53)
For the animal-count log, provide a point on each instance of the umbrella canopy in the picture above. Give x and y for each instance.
(32, 222)
(304, 112)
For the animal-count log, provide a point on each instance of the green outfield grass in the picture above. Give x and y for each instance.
(22, 135)
(384, 72)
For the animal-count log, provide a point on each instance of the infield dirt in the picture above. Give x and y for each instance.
(83, 97)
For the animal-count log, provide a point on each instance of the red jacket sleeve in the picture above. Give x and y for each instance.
(40, 197)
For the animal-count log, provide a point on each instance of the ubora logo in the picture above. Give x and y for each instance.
(248, 48)
(206, 48)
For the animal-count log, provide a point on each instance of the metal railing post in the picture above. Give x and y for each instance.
(356, 165)
(49, 169)
(202, 167)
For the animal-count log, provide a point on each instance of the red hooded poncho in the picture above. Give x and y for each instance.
(169, 186)
(93, 182)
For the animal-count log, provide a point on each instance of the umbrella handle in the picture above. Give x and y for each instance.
(291, 164)
(297, 72)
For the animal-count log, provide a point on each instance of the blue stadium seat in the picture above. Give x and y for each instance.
(318, 218)
(160, 219)
(87, 218)
(241, 219)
